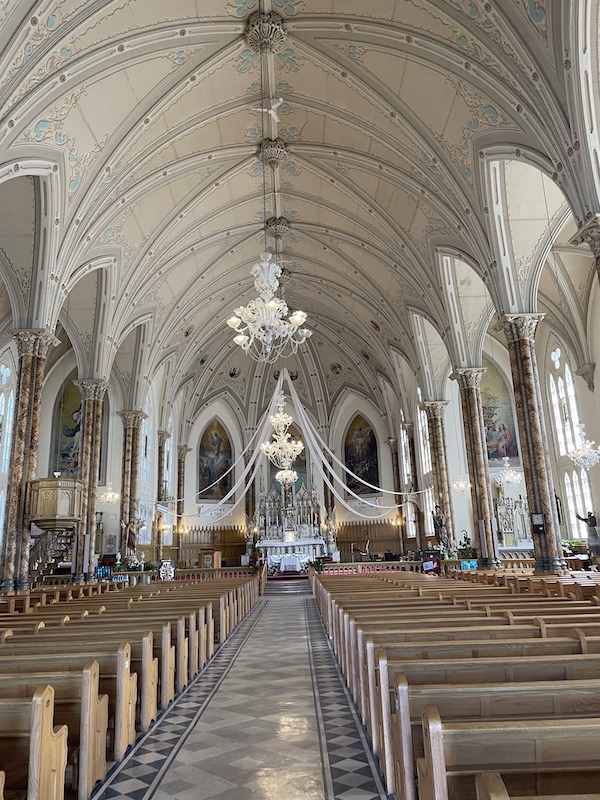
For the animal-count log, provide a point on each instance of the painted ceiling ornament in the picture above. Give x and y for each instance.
(272, 152)
(277, 227)
(265, 32)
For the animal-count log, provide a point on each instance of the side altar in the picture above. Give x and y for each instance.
(288, 529)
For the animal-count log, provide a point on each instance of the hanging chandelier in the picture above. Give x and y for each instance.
(282, 450)
(264, 328)
(109, 496)
(508, 475)
(585, 455)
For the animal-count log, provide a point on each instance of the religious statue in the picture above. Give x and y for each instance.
(439, 527)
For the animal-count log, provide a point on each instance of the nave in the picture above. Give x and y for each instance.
(268, 718)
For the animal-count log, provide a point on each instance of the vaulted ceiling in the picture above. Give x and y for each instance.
(147, 111)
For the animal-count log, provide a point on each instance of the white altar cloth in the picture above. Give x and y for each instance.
(288, 563)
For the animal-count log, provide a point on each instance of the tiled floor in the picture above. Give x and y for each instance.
(268, 719)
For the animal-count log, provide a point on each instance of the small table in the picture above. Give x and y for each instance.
(290, 563)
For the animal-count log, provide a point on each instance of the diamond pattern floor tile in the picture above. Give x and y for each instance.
(268, 718)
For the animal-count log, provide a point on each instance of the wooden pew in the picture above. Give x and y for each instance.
(33, 752)
(490, 786)
(77, 705)
(533, 756)
(142, 660)
(474, 702)
(116, 680)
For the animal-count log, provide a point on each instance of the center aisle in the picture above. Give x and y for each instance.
(268, 719)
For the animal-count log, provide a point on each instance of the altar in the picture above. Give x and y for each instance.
(292, 530)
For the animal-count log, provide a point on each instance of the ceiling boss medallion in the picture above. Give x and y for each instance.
(277, 227)
(272, 152)
(265, 32)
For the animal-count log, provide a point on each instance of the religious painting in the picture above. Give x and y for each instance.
(498, 417)
(64, 456)
(360, 456)
(299, 464)
(214, 459)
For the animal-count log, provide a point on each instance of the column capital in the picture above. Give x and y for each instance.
(393, 443)
(434, 408)
(519, 326)
(589, 233)
(132, 419)
(182, 451)
(468, 377)
(163, 436)
(34, 341)
(91, 388)
(409, 428)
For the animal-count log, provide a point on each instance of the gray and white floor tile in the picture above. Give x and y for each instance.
(269, 718)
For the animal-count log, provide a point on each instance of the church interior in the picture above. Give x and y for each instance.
(299, 304)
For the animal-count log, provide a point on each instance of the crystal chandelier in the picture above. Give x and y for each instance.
(462, 485)
(262, 329)
(282, 450)
(584, 454)
(109, 497)
(507, 476)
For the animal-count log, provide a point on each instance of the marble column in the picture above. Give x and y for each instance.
(590, 235)
(327, 493)
(32, 348)
(182, 452)
(249, 499)
(519, 330)
(92, 399)
(469, 381)
(132, 423)
(393, 443)
(412, 483)
(161, 488)
(437, 441)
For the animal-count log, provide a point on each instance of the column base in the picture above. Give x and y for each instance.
(22, 584)
(79, 578)
(550, 566)
(7, 585)
(488, 563)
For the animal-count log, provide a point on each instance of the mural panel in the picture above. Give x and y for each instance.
(214, 459)
(360, 455)
(498, 417)
(64, 457)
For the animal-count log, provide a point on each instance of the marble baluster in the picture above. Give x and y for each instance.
(469, 381)
(519, 330)
(437, 438)
(182, 452)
